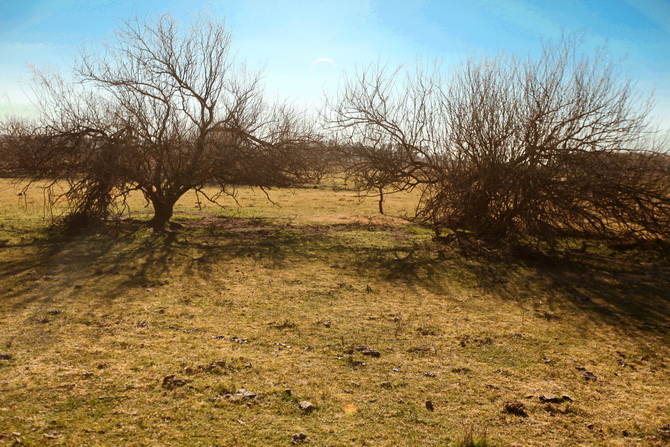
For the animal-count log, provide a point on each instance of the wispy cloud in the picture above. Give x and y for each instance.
(656, 11)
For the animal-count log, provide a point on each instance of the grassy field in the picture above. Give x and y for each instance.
(126, 337)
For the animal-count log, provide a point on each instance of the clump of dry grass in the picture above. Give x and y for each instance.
(126, 337)
(474, 437)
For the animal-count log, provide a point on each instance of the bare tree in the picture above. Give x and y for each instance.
(387, 126)
(165, 110)
(509, 147)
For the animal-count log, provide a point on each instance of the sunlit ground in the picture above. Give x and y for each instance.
(126, 337)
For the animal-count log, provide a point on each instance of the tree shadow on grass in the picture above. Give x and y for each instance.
(630, 296)
(127, 255)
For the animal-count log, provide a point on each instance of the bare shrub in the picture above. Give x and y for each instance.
(512, 148)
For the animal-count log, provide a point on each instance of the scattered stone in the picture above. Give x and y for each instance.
(87, 374)
(191, 331)
(516, 408)
(590, 425)
(580, 368)
(327, 323)
(142, 324)
(238, 340)
(588, 375)
(430, 406)
(397, 370)
(493, 387)
(54, 312)
(306, 406)
(6, 356)
(357, 363)
(547, 315)
(555, 399)
(429, 374)
(283, 345)
(218, 337)
(50, 435)
(170, 382)
(241, 394)
(365, 350)
(462, 370)
(299, 438)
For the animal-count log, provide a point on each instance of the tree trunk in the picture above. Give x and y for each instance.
(381, 201)
(163, 209)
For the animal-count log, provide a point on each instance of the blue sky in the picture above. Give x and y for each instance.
(305, 46)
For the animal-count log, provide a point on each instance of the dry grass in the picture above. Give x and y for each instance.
(95, 323)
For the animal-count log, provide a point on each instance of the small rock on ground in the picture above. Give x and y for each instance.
(170, 382)
(588, 375)
(515, 408)
(306, 406)
(299, 438)
(242, 394)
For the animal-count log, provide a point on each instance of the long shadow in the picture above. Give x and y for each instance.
(633, 297)
(127, 255)
(44, 260)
